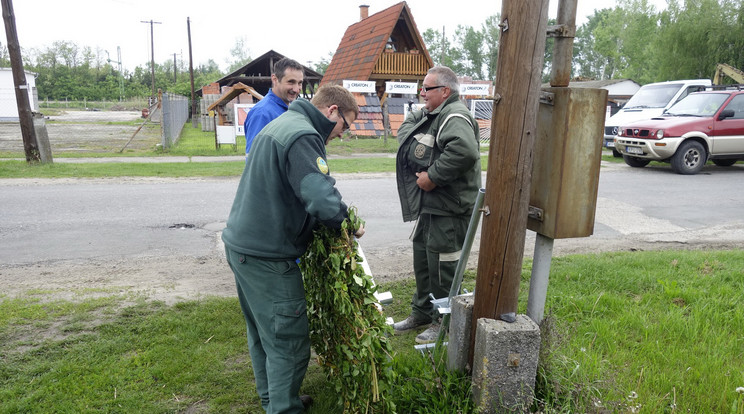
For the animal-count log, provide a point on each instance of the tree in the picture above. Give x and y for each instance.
(491, 33)
(240, 54)
(587, 61)
(693, 39)
(322, 65)
(472, 50)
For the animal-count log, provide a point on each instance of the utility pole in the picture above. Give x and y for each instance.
(191, 75)
(25, 117)
(513, 128)
(121, 73)
(175, 69)
(152, 49)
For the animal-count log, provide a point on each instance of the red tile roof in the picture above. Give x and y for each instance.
(364, 41)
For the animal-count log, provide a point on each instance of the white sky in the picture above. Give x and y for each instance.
(304, 30)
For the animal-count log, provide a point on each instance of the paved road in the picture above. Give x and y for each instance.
(49, 220)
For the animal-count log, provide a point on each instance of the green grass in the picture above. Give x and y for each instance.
(625, 332)
(20, 169)
(194, 143)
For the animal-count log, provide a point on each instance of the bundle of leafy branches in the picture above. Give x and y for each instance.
(347, 330)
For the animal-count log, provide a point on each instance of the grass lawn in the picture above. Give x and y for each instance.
(625, 332)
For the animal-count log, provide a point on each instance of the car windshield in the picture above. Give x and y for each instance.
(653, 96)
(698, 104)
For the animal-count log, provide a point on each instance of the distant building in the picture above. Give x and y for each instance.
(246, 85)
(8, 103)
(382, 48)
(618, 90)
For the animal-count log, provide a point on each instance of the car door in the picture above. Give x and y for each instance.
(729, 133)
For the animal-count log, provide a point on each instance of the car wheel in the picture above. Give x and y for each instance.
(635, 162)
(724, 162)
(616, 154)
(689, 158)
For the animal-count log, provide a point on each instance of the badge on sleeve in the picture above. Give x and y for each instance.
(322, 166)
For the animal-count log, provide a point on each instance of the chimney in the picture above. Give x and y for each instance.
(363, 12)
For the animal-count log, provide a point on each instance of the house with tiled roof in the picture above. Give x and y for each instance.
(381, 48)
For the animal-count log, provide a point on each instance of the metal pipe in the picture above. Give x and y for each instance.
(539, 279)
(463, 261)
(563, 49)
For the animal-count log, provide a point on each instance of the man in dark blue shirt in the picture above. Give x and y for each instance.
(286, 85)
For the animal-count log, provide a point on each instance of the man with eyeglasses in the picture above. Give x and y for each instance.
(284, 192)
(438, 174)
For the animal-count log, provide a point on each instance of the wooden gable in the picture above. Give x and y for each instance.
(257, 74)
(384, 46)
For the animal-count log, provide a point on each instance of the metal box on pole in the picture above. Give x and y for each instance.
(566, 160)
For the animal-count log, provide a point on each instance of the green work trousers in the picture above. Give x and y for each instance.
(437, 244)
(272, 298)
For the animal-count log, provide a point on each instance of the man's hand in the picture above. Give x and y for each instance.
(424, 182)
(360, 231)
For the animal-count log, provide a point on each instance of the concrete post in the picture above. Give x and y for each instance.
(42, 139)
(458, 346)
(505, 364)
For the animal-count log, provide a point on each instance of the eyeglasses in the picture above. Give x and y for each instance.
(346, 124)
(430, 88)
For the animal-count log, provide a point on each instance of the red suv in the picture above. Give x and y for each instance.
(703, 126)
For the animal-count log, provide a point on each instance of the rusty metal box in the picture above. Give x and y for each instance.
(566, 159)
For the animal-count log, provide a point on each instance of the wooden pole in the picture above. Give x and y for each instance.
(25, 117)
(191, 75)
(513, 127)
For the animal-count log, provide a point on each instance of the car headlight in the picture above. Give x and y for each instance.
(660, 134)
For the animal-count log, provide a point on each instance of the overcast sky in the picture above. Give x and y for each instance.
(304, 30)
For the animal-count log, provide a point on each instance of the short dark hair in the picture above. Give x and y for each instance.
(328, 95)
(286, 63)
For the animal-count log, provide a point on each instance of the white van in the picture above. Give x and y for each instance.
(650, 101)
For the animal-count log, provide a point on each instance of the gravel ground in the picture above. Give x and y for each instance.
(87, 131)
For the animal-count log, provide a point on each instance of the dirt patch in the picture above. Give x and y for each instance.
(175, 278)
(169, 279)
(88, 131)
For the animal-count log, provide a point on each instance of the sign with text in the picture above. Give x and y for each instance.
(360, 86)
(241, 111)
(403, 88)
(478, 89)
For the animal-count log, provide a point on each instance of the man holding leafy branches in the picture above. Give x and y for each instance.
(284, 192)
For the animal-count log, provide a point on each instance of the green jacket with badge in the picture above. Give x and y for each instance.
(285, 188)
(445, 143)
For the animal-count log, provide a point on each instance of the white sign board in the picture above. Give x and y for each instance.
(360, 86)
(477, 89)
(225, 134)
(403, 88)
(241, 111)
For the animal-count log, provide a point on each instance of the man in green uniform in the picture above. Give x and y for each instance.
(438, 174)
(284, 192)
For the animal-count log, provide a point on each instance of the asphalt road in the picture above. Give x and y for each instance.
(79, 219)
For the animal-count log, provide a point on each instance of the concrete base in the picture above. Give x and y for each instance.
(505, 364)
(42, 139)
(458, 348)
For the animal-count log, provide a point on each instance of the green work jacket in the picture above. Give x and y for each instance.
(285, 189)
(445, 143)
